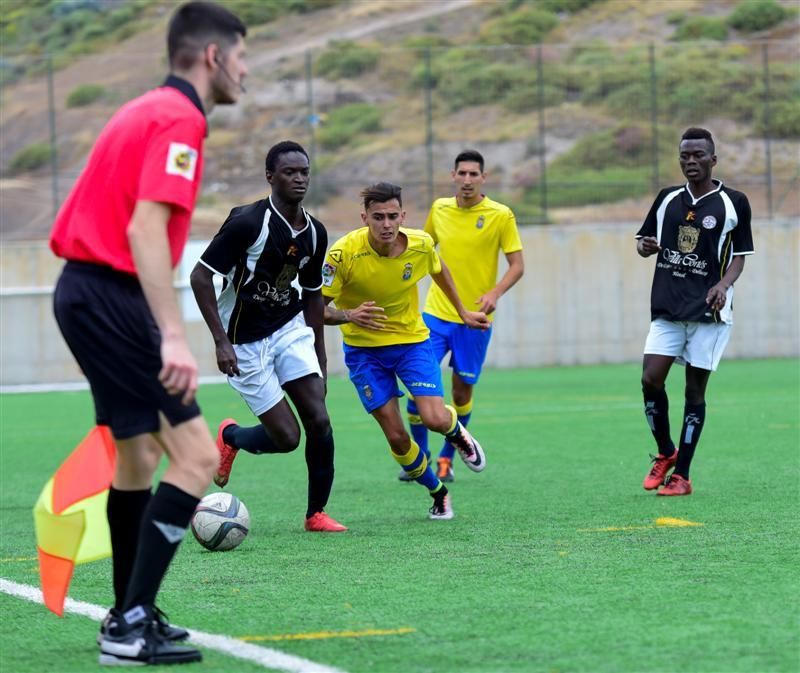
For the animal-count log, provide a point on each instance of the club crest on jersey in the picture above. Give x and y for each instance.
(687, 238)
(181, 160)
(328, 272)
(479, 223)
(690, 216)
(709, 222)
(407, 269)
(303, 262)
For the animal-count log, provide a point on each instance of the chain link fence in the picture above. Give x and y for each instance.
(570, 133)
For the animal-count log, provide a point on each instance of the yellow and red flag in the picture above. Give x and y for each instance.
(70, 515)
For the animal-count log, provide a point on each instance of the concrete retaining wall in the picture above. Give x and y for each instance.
(584, 299)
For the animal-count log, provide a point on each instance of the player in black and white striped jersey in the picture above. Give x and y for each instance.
(700, 232)
(267, 325)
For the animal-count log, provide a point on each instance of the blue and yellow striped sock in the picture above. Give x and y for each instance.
(463, 414)
(416, 465)
(418, 430)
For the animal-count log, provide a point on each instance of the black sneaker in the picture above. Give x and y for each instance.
(174, 634)
(441, 509)
(137, 642)
(468, 448)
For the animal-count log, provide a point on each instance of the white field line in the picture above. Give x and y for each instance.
(263, 656)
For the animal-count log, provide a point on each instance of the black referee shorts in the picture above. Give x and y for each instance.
(110, 330)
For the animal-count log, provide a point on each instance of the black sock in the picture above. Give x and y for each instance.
(124, 510)
(439, 494)
(253, 440)
(163, 526)
(694, 416)
(319, 461)
(656, 409)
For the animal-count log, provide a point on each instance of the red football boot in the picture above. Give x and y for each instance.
(322, 523)
(227, 454)
(658, 473)
(676, 485)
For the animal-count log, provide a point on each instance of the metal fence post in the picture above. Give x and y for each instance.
(654, 115)
(429, 122)
(51, 105)
(767, 126)
(542, 146)
(311, 115)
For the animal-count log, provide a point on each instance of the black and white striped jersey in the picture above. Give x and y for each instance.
(698, 238)
(265, 262)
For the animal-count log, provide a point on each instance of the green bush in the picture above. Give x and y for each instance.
(751, 16)
(627, 146)
(565, 6)
(784, 120)
(701, 28)
(570, 187)
(527, 25)
(30, 158)
(676, 18)
(346, 59)
(344, 123)
(85, 94)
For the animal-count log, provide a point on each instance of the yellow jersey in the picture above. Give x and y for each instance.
(469, 240)
(354, 273)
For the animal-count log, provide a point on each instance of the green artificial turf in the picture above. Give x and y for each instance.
(554, 561)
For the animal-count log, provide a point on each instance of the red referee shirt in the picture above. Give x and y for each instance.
(150, 150)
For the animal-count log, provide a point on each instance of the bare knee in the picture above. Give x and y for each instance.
(286, 439)
(651, 382)
(136, 463)
(438, 419)
(318, 424)
(399, 441)
(193, 456)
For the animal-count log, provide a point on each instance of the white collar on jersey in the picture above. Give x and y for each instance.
(700, 198)
(295, 232)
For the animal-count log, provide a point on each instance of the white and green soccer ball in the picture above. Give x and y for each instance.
(220, 522)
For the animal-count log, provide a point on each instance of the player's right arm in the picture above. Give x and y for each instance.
(202, 282)
(646, 241)
(147, 236)
(475, 319)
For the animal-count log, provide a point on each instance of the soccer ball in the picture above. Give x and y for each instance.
(220, 522)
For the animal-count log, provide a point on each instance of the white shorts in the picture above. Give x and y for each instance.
(700, 344)
(264, 366)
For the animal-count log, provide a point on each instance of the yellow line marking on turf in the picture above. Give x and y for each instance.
(661, 522)
(676, 523)
(319, 635)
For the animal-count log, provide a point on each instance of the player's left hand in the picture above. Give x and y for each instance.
(476, 320)
(717, 296)
(488, 302)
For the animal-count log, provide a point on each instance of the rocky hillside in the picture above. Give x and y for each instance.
(580, 128)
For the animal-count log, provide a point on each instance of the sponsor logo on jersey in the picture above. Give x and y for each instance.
(687, 237)
(336, 255)
(690, 216)
(292, 251)
(328, 272)
(479, 223)
(709, 222)
(407, 270)
(181, 160)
